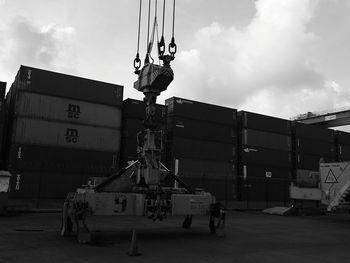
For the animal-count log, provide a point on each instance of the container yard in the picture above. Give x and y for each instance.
(88, 174)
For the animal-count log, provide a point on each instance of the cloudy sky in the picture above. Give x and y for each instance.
(276, 57)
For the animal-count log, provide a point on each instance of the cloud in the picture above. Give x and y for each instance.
(267, 66)
(50, 46)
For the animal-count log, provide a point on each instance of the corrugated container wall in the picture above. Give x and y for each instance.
(61, 134)
(310, 144)
(202, 140)
(66, 86)
(343, 146)
(3, 112)
(59, 128)
(33, 105)
(134, 112)
(265, 157)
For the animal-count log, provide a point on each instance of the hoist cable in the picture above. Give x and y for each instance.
(163, 18)
(139, 29)
(137, 61)
(173, 18)
(148, 22)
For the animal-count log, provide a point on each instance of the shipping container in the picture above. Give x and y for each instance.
(343, 153)
(201, 130)
(62, 85)
(25, 157)
(260, 122)
(44, 185)
(201, 111)
(222, 189)
(262, 156)
(2, 91)
(40, 132)
(192, 168)
(343, 137)
(309, 146)
(199, 149)
(313, 132)
(264, 190)
(24, 184)
(311, 162)
(46, 107)
(137, 109)
(253, 171)
(266, 140)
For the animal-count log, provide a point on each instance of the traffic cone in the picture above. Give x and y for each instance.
(133, 249)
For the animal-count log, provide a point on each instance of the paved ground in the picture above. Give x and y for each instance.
(250, 237)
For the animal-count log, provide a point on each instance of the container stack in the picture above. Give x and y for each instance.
(61, 130)
(201, 145)
(2, 122)
(265, 159)
(311, 144)
(134, 113)
(343, 146)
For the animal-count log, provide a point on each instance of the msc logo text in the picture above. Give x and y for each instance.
(72, 135)
(73, 111)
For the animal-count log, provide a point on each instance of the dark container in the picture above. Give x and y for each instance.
(62, 134)
(222, 189)
(311, 162)
(343, 137)
(62, 85)
(39, 106)
(264, 190)
(310, 146)
(24, 184)
(190, 168)
(2, 90)
(26, 157)
(262, 156)
(344, 153)
(197, 149)
(137, 109)
(58, 185)
(265, 172)
(201, 111)
(266, 140)
(260, 122)
(45, 185)
(313, 132)
(131, 127)
(201, 130)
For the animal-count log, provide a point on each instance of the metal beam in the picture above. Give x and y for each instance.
(334, 119)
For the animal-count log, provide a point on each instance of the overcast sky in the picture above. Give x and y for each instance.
(276, 57)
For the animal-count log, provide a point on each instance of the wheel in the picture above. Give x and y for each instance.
(217, 219)
(187, 222)
(66, 223)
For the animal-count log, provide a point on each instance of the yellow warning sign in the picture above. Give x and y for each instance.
(331, 179)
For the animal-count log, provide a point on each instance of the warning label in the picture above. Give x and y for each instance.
(331, 179)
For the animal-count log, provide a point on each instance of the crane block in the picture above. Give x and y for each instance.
(154, 78)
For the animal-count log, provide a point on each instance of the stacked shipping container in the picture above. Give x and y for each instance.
(343, 146)
(310, 144)
(265, 158)
(2, 122)
(134, 112)
(61, 130)
(202, 138)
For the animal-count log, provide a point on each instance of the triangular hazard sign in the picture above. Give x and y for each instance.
(331, 179)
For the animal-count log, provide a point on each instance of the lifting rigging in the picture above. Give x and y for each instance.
(137, 189)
